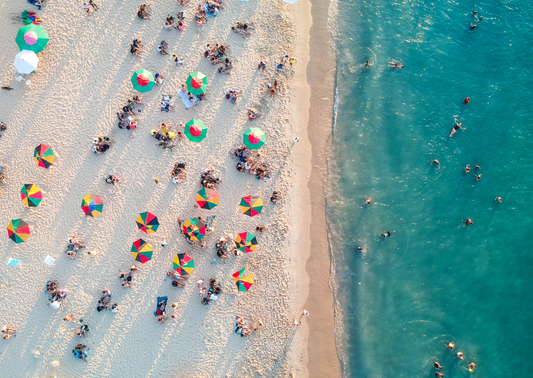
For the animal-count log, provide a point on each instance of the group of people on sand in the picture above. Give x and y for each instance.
(136, 47)
(9, 332)
(125, 119)
(74, 245)
(104, 303)
(102, 144)
(459, 355)
(127, 277)
(79, 352)
(178, 172)
(242, 28)
(209, 179)
(144, 11)
(176, 279)
(251, 164)
(212, 293)
(206, 10)
(56, 295)
(215, 53)
(243, 326)
(177, 23)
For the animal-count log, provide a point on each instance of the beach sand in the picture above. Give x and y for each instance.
(82, 81)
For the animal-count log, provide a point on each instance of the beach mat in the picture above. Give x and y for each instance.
(159, 300)
(185, 98)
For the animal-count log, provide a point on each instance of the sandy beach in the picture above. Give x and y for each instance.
(83, 80)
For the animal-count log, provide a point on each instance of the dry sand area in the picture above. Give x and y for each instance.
(82, 81)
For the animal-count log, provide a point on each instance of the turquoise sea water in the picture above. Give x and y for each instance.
(435, 280)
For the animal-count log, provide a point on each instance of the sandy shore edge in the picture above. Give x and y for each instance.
(314, 108)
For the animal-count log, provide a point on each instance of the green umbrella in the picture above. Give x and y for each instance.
(195, 130)
(197, 83)
(254, 138)
(32, 37)
(143, 80)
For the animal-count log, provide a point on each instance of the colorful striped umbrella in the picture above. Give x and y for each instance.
(243, 283)
(246, 242)
(195, 130)
(194, 229)
(183, 264)
(207, 198)
(92, 205)
(31, 195)
(254, 138)
(251, 206)
(143, 80)
(18, 230)
(32, 37)
(197, 83)
(147, 222)
(43, 155)
(141, 251)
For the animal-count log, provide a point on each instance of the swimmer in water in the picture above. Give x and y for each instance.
(466, 100)
(460, 355)
(393, 64)
(450, 345)
(478, 177)
(473, 26)
(435, 161)
(368, 201)
(385, 234)
(457, 127)
(361, 249)
(437, 365)
(471, 367)
(498, 199)
(367, 64)
(439, 374)
(467, 168)
(474, 13)
(468, 222)
(478, 167)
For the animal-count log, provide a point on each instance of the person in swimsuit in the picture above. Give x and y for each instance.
(457, 127)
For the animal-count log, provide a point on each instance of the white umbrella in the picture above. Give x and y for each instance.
(26, 62)
(290, 1)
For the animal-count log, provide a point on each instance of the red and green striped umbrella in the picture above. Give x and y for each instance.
(207, 198)
(141, 251)
(246, 242)
(251, 205)
(92, 205)
(195, 130)
(147, 222)
(143, 80)
(31, 195)
(18, 230)
(197, 83)
(254, 138)
(194, 229)
(43, 155)
(183, 264)
(243, 283)
(32, 37)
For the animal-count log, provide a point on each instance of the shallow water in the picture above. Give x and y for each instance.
(435, 280)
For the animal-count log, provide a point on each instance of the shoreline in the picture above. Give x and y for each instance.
(315, 86)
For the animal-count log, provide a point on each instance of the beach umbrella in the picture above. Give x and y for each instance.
(143, 80)
(141, 251)
(31, 195)
(147, 222)
(92, 205)
(251, 205)
(43, 155)
(243, 283)
(197, 83)
(183, 264)
(207, 198)
(195, 130)
(26, 62)
(246, 242)
(194, 229)
(32, 38)
(254, 138)
(18, 230)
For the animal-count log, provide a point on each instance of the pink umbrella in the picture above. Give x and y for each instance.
(30, 38)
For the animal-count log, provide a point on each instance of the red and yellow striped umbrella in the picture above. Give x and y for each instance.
(18, 230)
(183, 264)
(243, 283)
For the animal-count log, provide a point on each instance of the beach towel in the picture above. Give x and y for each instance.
(211, 221)
(159, 300)
(185, 98)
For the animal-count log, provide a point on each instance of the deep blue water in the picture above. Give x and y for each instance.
(434, 280)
